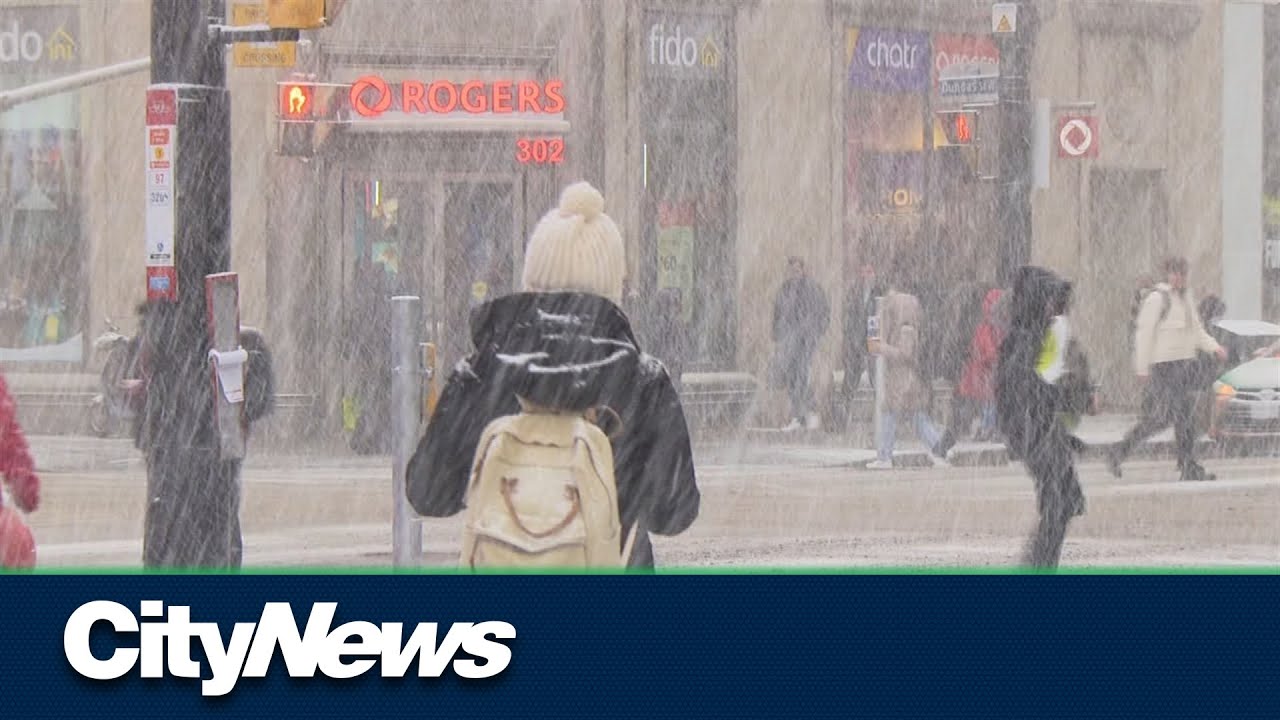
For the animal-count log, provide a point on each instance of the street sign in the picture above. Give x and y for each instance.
(968, 84)
(267, 54)
(162, 136)
(1004, 18)
(1078, 136)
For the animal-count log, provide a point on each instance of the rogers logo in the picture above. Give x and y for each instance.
(442, 97)
(363, 85)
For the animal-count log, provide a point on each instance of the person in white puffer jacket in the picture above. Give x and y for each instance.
(1169, 334)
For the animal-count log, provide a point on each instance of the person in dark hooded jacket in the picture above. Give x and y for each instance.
(1029, 408)
(565, 344)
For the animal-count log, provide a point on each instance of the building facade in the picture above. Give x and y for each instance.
(724, 134)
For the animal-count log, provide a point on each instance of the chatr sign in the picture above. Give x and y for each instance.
(888, 60)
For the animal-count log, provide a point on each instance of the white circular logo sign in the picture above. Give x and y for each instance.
(1075, 138)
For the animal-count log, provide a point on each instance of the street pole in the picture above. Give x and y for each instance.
(406, 396)
(1017, 115)
(193, 496)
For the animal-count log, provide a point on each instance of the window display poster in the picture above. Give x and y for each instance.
(675, 265)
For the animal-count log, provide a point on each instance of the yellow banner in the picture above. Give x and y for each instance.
(281, 54)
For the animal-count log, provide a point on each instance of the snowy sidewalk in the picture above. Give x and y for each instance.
(79, 453)
(821, 449)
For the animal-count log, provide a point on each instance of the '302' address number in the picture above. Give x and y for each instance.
(540, 151)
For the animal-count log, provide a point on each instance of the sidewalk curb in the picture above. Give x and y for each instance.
(1150, 450)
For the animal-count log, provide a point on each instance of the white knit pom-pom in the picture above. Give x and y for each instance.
(582, 199)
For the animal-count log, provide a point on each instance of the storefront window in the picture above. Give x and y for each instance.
(903, 192)
(41, 249)
(689, 119)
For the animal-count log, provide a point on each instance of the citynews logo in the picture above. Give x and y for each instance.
(344, 652)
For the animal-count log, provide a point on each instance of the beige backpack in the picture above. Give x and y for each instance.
(542, 494)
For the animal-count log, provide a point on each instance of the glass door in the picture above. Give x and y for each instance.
(478, 254)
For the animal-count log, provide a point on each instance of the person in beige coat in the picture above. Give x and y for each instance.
(906, 392)
(1169, 334)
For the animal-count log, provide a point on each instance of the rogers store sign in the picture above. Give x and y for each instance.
(371, 96)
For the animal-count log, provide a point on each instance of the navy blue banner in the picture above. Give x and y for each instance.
(685, 646)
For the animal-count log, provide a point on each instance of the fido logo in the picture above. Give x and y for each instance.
(29, 46)
(677, 50)
(344, 652)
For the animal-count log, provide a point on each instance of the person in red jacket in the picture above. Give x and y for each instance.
(17, 549)
(975, 394)
(15, 459)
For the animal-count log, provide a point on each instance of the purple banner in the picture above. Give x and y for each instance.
(889, 60)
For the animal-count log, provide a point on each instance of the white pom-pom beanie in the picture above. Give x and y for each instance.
(576, 248)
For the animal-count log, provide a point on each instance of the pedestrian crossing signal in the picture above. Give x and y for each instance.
(297, 101)
(960, 128)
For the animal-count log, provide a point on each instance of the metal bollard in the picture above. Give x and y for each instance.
(879, 411)
(406, 530)
(874, 333)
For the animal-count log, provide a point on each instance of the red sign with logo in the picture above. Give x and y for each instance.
(1078, 136)
(951, 50)
(162, 106)
(371, 96)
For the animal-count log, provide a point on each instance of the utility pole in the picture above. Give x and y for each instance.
(1017, 119)
(193, 493)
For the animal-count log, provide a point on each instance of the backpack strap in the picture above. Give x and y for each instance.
(1166, 304)
(629, 547)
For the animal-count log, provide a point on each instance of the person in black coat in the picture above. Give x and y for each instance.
(565, 344)
(801, 314)
(1030, 408)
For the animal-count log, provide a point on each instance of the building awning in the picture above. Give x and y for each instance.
(396, 122)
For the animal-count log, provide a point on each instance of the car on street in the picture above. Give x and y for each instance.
(1246, 397)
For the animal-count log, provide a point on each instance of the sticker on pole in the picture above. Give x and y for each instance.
(162, 131)
(1004, 18)
(1078, 137)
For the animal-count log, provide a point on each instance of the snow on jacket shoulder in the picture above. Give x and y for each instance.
(1175, 337)
(567, 351)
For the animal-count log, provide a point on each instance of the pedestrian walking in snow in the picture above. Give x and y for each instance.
(1169, 334)
(1041, 386)
(801, 314)
(563, 348)
(906, 391)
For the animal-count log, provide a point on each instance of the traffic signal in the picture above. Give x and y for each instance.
(297, 14)
(960, 128)
(297, 101)
(296, 110)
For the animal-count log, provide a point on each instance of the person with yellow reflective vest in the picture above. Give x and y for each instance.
(1041, 383)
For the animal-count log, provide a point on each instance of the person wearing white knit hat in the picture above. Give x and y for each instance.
(576, 248)
(564, 343)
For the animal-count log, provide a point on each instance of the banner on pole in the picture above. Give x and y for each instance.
(161, 165)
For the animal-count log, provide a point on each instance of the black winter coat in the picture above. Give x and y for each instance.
(567, 351)
(1027, 405)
